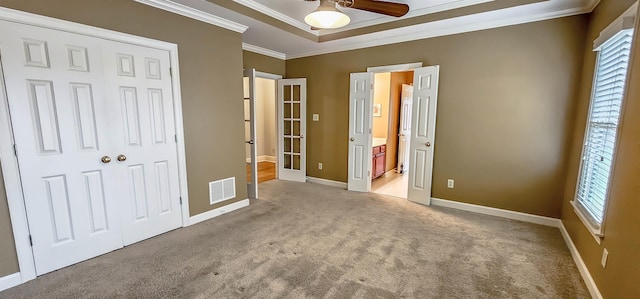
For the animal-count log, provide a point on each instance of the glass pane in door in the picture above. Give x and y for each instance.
(296, 110)
(296, 162)
(287, 110)
(287, 145)
(296, 93)
(287, 161)
(287, 93)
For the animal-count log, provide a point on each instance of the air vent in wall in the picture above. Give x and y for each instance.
(222, 190)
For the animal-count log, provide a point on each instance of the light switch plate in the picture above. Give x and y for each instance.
(316, 117)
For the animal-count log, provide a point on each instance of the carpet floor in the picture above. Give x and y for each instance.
(310, 241)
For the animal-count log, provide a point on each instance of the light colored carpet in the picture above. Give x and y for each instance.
(311, 241)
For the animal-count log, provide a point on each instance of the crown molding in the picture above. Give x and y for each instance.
(410, 14)
(277, 15)
(264, 51)
(591, 5)
(461, 26)
(195, 14)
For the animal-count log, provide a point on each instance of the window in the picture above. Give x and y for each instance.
(602, 127)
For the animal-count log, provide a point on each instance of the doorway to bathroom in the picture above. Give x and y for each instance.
(391, 128)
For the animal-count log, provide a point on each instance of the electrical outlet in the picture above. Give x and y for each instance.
(450, 183)
(320, 166)
(605, 255)
(316, 117)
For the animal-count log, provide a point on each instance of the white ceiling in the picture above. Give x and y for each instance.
(270, 40)
(294, 11)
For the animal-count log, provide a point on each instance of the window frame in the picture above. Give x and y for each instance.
(623, 23)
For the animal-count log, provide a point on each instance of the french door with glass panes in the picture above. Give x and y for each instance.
(292, 126)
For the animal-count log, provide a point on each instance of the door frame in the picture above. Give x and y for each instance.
(10, 170)
(386, 69)
(254, 156)
(275, 78)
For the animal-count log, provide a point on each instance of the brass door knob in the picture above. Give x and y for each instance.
(105, 159)
(122, 158)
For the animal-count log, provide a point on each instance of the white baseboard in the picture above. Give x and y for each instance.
(271, 159)
(548, 221)
(327, 182)
(10, 281)
(582, 267)
(219, 211)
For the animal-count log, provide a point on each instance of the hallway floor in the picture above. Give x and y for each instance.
(391, 184)
(266, 172)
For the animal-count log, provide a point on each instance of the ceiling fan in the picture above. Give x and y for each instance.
(327, 16)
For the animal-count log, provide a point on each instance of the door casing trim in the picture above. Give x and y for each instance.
(386, 69)
(10, 170)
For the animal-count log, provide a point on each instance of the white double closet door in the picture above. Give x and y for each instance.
(93, 123)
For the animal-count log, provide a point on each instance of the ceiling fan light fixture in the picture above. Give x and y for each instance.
(327, 16)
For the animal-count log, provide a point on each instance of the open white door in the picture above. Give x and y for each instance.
(360, 102)
(292, 126)
(423, 129)
(249, 82)
(406, 108)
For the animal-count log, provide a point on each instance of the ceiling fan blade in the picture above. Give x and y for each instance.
(381, 7)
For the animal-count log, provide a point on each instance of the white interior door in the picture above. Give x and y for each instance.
(249, 84)
(143, 137)
(292, 127)
(94, 129)
(423, 129)
(56, 96)
(404, 136)
(360, 122)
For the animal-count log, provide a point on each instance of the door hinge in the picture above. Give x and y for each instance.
(171, 72)
(15, 150)
(176, 137)
(371, 86)
(368, 173)
(180, 200)
(30, 241)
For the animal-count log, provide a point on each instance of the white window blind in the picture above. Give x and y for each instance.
(602, 127)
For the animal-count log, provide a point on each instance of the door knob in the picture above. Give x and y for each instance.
(428, 144)
(105, 159)
(122, 158)
(249, 142)
(301, 136)
(352, 139)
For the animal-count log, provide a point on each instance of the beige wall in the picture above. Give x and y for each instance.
(263, 63)
(381, 87)
(266, 117)
(504, 110)
(211, 81)
(8, 258)
(622, 237)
